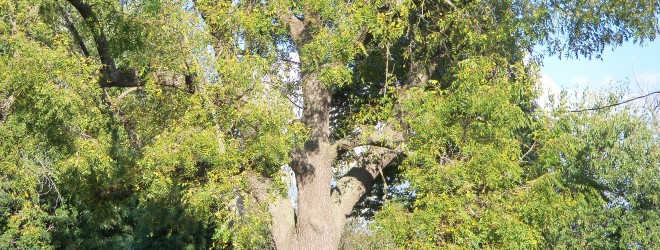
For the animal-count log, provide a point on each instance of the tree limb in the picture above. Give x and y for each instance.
(124, 94)
(448, 2)
(354, 184)
(387, 137)
(297, 27)
(384, 146)
(76, 35)
(109, 69)
(419, 74)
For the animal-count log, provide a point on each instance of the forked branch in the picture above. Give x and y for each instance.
(354, 184)
(111, 75)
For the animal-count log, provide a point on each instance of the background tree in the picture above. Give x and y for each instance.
(165, 124)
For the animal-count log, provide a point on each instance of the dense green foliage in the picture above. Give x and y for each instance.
(162, 161)
(583, 180)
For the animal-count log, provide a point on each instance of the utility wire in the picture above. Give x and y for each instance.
(615, 104)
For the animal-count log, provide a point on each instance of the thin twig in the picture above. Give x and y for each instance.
(527, 153)
(380, 169)
(124, 94)
(448, 2)
(387, 67)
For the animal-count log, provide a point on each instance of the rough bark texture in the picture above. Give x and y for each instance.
(312, 167)
(321, 212)
(280, 209)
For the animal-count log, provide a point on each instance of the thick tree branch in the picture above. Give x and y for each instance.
(383, 147)
(109, 69)
(387, 137)
(352, 186)
(76, 35)
(297, 28)
(419, 74)
(448, 2)
(181, 82)
(316, 107)
(124, 94)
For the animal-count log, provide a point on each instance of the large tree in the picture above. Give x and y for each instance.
(164, 123)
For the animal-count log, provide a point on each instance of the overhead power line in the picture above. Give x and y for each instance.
(615, 104)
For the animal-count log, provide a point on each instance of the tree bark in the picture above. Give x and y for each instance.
(312, 166)
(321, 212)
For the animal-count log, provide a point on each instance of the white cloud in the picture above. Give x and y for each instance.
(644, 83)
(548, 87)
(647, 79)
(581, 81)
(609, 79)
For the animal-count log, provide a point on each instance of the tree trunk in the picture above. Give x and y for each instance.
(312, 165)
(321, 213)
(316, 226)
(318, 222)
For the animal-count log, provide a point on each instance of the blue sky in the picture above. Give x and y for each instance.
(637, 63)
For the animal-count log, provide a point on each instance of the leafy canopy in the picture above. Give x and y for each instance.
(162, 164)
